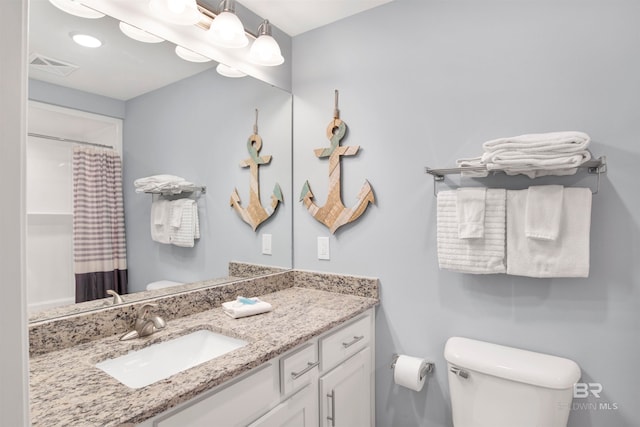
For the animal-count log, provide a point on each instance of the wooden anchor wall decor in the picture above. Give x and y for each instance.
(255, 214)
(334, 214)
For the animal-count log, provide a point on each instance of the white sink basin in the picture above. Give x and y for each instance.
(159, 361)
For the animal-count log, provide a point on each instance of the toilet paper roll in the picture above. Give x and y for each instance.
(407, 372)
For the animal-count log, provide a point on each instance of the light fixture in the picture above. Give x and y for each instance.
(138, 34)
(180, 12)
(74, 7)
(86, 40)
(265, 49)
(226, 29)
(225, 70)
(189, 55)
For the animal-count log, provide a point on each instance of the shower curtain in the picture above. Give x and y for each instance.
(99, 245)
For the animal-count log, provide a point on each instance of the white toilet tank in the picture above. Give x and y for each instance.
(496, 386)
(161, 284)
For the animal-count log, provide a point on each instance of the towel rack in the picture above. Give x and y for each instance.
(596, 166)
(202, 189)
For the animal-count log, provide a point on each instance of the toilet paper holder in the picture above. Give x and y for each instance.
(427, 369)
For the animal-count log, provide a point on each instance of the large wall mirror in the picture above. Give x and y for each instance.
(163, 115)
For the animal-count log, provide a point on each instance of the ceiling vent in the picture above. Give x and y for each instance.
(53, 66)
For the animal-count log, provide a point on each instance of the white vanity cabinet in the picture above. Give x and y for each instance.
(346, 385)
(327, 381)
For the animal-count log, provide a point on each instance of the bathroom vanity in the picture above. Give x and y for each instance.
(307, 362)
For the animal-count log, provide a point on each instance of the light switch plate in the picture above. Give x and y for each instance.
(266, 244)
(323, 248)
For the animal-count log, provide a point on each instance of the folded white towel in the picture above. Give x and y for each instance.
(474, 162)
(543, 212)
(470, 204)
(558, 142)
(160, 213)
(243, 307)
(169, 184)
(540, 154)
(568, 255)
(185, 233)
(478, 256)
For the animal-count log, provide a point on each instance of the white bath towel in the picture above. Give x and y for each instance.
(479, 256)
(567, 256)
(543, 212)
(568, 142)
(470, 208)
(534, 155)
(185, 234)
(168, 184)
(160, 214)
(243, 307)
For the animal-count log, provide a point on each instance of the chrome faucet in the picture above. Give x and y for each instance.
(117, 299)
(145, 325)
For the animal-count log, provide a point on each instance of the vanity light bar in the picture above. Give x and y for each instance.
(209, 16)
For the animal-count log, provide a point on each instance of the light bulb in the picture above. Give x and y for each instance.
(189, 55)
(225, 70)
(138, 34)
(227, 31)
(179, 12)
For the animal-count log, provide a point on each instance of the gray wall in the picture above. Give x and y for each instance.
(424, 83)
(198, 129)
(77, 99)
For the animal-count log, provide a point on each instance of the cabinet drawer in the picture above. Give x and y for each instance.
(299, 368)
(237, 404)
(345, 342)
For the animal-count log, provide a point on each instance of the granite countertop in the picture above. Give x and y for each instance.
(68, 390)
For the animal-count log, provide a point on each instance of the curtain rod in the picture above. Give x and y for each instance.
(74, 141)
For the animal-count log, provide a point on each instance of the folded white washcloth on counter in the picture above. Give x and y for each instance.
(243, 307)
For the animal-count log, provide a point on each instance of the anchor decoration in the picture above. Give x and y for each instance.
(334, 214)
(255, 214)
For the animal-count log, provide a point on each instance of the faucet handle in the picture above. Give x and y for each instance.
(144, 310)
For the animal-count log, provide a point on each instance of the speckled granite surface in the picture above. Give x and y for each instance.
(67, 390)
(243, 269)
(78, 328)
(343, 284)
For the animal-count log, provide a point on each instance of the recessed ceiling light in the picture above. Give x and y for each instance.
(86, 40)
(191, 56)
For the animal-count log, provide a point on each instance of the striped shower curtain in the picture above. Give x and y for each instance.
(99, 245)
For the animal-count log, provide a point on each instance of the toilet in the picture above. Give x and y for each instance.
(161, 284)
(496, 386)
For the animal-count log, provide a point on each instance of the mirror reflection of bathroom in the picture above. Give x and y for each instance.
(160, 114)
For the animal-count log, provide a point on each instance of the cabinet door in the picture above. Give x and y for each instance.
(300, 410)
(345, 393)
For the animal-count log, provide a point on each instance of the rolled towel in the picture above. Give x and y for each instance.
(470, 204)
(543, 212)
(243, 307)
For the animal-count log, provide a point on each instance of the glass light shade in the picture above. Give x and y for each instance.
(86, 40)
(179, 12)
(227, 31)
(72, 7)
(265, 51)
(189, 55)
(138, 34)
(225, 70)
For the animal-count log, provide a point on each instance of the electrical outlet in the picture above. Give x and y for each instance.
(323, 248)
(266, 244)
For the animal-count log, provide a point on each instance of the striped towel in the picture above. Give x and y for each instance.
(185, 228)
(478, 256)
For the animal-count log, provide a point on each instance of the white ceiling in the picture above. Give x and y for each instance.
(298, 16)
